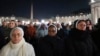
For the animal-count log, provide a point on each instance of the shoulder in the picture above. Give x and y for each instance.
(43, 40)
(30, 49)
(29, 46)
(5, 49)
(6, 46)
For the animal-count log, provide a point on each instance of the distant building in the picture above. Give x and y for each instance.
(93, 16)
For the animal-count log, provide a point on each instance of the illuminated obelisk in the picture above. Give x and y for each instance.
(31, 17)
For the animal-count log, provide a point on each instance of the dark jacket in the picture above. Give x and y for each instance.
(51, 46)
(80, 43)
(2, 39)
(96, 37)
(63, 33)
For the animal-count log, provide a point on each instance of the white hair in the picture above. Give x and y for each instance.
(17, 28)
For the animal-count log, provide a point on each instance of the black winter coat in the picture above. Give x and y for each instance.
(51, 46)
(80, 43)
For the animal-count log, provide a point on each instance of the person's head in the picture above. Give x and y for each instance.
(4, 23)
(58, 25)
(88, 22)
(12, 24)
(67, 26)
(43, 25)
(81, 25)
(98, 22)
(16, 35)
(31, 24)
(19, 22)
(52, 30)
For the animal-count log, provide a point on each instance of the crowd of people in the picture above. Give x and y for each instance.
(52, 39)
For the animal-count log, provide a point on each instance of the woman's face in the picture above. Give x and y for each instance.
(52, 31)
(16, 36)
(81, 26)
(88, 22)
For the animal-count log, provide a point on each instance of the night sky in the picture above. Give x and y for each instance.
(42, 8)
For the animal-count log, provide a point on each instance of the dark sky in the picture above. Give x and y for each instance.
(42, 8)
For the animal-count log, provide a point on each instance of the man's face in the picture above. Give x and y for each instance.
(12, 24)
(4, 23)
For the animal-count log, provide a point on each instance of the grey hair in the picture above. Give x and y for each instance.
(17, 28)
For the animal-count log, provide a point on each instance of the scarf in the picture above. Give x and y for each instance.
(10, 45)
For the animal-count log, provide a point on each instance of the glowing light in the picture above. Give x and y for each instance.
(46, 22)
(38, 23)
(27, 22)
(57, 21)
(23, 22)
(6, 18)
(2, 17)
(92, 1)
(16, 20)
(70, 22)
(12, 18)
(42, 21)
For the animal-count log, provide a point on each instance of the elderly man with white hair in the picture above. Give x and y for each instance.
(17, 45)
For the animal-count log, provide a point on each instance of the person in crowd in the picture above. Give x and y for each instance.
(96, 34)
(17, 46)
(5, 30)
(11, 25)
(30, 32)
(4, 24)
(51, 44)
(97, 26)
(64, 32)
(89, 25)
(79, 42)
(63, 25)
(58, 26)
(36, 26)
(42, 31)
(19, 24)
(30, 35)
(3, 35)
(2, 40)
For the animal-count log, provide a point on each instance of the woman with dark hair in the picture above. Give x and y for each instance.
(89, 25)
(79, 42)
